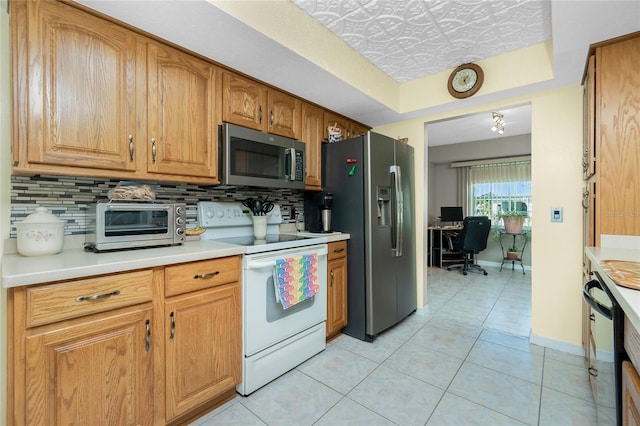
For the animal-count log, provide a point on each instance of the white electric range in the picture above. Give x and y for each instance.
(275, 340)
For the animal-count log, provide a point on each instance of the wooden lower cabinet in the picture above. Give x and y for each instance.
(202, 342)
(336, 288)
(129, 355)
(630, 395)
(97, 370)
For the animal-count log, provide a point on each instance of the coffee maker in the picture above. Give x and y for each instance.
(317, 211)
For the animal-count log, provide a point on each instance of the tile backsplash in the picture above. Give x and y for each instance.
(69, 197)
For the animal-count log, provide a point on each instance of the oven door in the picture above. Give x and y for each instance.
(266, 322)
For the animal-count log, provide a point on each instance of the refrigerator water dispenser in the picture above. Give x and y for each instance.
(384, 206)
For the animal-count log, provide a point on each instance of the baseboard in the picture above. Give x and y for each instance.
(556, 344)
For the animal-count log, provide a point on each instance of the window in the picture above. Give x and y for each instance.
(500, 187)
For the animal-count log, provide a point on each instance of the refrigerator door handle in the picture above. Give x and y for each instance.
(397, 172)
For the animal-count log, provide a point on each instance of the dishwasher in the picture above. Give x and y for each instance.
(606, 382)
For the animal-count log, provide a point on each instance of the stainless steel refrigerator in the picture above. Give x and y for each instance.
(371, 178)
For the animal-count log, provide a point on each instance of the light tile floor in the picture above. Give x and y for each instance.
(467, 361)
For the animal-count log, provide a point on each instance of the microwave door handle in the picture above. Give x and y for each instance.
(291, 163)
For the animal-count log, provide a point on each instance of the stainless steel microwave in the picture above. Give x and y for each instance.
(253, 158)
(122, 225)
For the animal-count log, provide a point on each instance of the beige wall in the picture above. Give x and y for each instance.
(5, 166)
(556, 145)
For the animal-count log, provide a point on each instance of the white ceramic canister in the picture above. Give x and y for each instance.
(41, 233)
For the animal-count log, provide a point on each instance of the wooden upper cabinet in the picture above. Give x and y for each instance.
(75, 92)
(358, 129)
(589, 141)
(617, 120)
(334, 120)
(349, 128)
(284, 114)
(243, 101)
(249, 103)
(182, 120)
(311, 135)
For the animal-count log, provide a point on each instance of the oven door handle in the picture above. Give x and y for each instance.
(605, 311)
(259, 264)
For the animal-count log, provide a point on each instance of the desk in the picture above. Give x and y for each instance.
(521, 246)
(439, 253)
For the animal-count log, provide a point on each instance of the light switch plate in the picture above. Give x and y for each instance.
(556, 214)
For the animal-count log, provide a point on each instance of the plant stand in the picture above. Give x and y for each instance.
(523, 235)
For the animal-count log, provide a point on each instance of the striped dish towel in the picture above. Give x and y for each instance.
(296, 279)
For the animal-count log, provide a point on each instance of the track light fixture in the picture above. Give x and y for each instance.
(498, 123)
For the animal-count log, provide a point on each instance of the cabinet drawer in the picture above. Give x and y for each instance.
(72, 299)
(632, 342)
(193, 276)
(337, 249)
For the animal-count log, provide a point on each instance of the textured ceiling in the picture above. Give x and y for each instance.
(408, 39)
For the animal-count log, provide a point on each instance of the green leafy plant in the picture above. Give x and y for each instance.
(513, 250)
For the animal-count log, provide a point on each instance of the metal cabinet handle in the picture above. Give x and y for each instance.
(131, 148)
(271, 118)
(331, 283)
(97, 296)
(206, 276)
(585, 200)
(173, 326)
(340, 250)
(154, 150)
(260, 114)
(147, 345)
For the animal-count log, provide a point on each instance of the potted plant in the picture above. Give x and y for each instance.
(513, 221)
(513, 253)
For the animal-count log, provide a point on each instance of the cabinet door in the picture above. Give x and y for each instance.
(203, 347)
(618, 150)
(97, 372)
(312, 124)
(630, 395)
(358, 129)
(182, 133)
(336, 287)
(589, 144)
(331, 119)
(79, 89)
(243, 101)
(284, 114)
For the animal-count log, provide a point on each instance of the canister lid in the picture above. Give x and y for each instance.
(42, 215)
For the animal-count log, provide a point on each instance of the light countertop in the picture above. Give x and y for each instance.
(74, 262)
(330, 236)
(629, 299)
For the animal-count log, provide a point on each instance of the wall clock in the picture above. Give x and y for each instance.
(465, 81)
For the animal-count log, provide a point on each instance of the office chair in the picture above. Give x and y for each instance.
(471, 241)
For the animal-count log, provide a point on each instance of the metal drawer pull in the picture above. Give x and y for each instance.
(97, 296)
(147, 345)
(206, 276)
(154, 151)
(173, 326)
(340, 250)
(131, 148)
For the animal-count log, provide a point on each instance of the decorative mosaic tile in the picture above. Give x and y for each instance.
(69, 198)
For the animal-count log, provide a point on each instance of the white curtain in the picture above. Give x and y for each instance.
(500, 172)
(464, 197)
